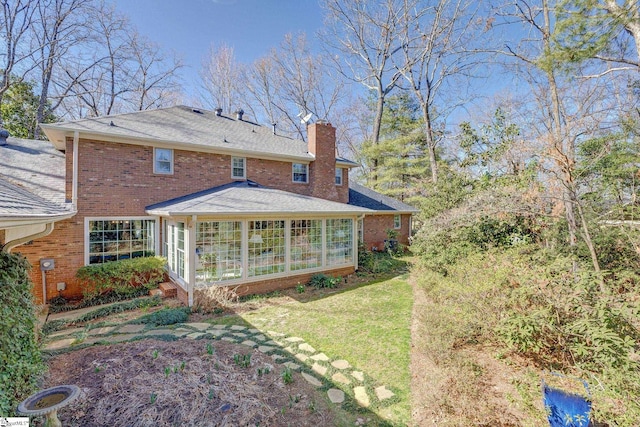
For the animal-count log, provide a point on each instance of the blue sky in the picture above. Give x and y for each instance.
(251, 27)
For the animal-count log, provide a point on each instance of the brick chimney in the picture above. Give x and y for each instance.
(322, 144)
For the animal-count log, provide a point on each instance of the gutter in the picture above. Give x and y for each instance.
(17, 242)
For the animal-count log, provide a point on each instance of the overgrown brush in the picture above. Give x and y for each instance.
(214, 299)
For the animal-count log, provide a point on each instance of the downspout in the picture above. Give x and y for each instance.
(48, 229)
(74, 181)
(355, 241)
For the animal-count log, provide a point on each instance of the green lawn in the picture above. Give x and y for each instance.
(369, 326)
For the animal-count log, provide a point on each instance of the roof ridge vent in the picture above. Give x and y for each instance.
(195, 110)
(4, 134)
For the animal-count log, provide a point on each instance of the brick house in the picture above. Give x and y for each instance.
(226, 201)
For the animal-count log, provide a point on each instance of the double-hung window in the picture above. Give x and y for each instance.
(397, 221)
(238, 168)
(163, 161)
(338, 176)
(300, 173)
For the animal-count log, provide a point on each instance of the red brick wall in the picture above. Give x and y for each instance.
(117, 180)
(375, 230)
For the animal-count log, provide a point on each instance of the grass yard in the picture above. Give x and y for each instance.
(368, 325)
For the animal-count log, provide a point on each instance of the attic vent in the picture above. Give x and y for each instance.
(252, 183)
(195, 110)
(239, 114)
(111, 123)
(218, 111)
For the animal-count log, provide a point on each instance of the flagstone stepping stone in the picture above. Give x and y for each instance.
(217, 332)
(382, 393)
(270, 342)
(229, 339)
(254, 331)
(340, 378)
(289, 350)
(358, 375)
(199, 326)
(195, 335)
(218, 326)
(65, 332)
(335, 395)
(238, 328)
(240, 335)
(131, 329)
(276, 357)
(117, 338)
(164, 332)
(56, 345)
(275, 334)
(319, 369)
(302, 357)
(292, 365)
(265, 348)
(360, 393)
(260, 338)
(249, 343)
(306, 347)
(311, 379)
(340, 364)
(293, 339)
(101, 331)
(320, 357)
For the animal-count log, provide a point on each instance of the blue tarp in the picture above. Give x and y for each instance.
(566, 409)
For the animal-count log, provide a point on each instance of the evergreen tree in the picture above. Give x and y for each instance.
(19, 110)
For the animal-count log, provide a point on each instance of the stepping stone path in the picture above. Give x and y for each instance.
(320, 369)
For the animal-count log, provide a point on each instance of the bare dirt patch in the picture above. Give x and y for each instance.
(186, 383)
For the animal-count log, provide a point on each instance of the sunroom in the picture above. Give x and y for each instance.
(246, 234)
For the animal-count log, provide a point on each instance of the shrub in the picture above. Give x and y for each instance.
(320, 281)
(20, 359)
(377, 262)
(214, 299)
(126, 277)
(167, 316)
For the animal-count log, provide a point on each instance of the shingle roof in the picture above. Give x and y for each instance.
(249, 198)
(367, 198)
(32, 180)
(187, 127)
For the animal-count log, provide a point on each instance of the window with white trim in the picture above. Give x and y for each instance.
(266, 247)
(175, 252)
(238, 168)
(218, 251)
(338, 176)
(115, 239)
(163, 161)
(339, 241)
(306, 244)
(300, 172)
(397, 221)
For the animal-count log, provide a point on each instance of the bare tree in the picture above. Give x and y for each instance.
(367, 35)
(222, 79)
(563, 108)
(291, 83)
(60, 27)
(15, 57)
(155, 76)
(437, 42)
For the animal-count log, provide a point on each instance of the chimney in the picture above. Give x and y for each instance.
(4, 134)
(322, 171)
(218, 111)
(239, 114)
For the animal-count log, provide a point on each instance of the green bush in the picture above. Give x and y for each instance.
(378, 262)
(320, 281)
(20, 360)
(166, 316)
(127, 277)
